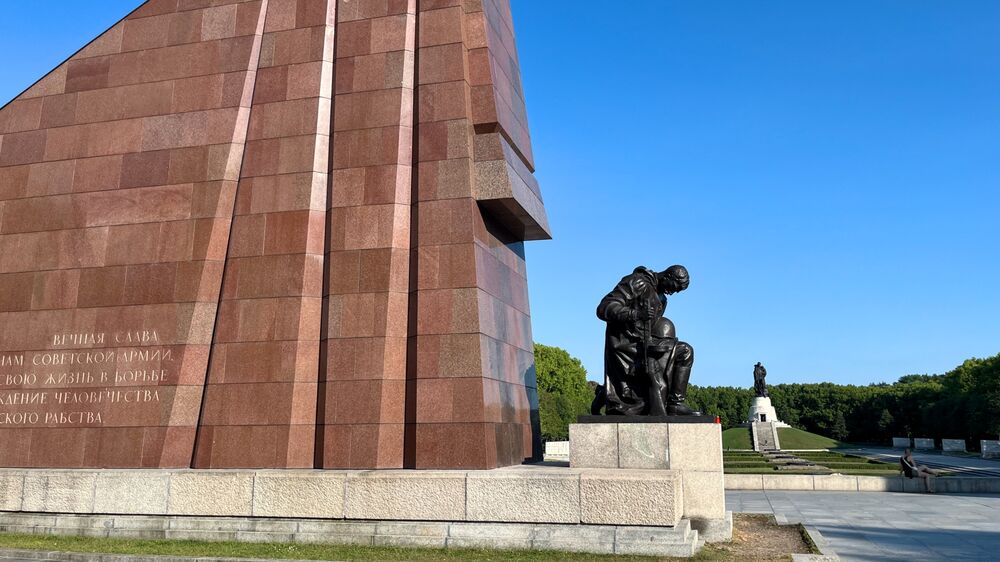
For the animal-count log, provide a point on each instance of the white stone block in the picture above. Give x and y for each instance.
(299, 494)
(704, 495)
(211, 493)
(874, 483)
(788, 481)
(990, 449)
(59, 492)
(714, 530)
(657, 541)
(761, 410)
(744, 481)
(131, 492)
(632, 497)
(523, 496)
(696, 446)
(593, 445)
(923, 443)
(339, 528)
(493, 530)
(11, 490)
(602, 534)
(411, 542)
(406, 495)
(901, 442)
(557, 450)
(411, 529)
(643, 445)
(835, 483)
(953, 445)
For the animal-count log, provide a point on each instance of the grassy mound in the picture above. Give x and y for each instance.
(791, 438)
(736, 438)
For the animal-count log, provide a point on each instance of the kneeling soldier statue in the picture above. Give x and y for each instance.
(646, 369)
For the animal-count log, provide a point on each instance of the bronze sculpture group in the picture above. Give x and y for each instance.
(646, 367)
(759, 386)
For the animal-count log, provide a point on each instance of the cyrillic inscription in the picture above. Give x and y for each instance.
(65, 385)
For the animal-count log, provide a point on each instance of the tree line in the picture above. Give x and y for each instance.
(962, 403)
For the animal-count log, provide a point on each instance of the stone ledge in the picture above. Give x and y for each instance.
(598, 539)
(525, 494)
(842, 483)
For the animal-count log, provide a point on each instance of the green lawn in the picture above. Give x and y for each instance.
(299, 551)
(736, 438)
(791, 438)
(749, 529)
(749, 462)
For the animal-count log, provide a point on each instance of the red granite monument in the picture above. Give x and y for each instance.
(272, 233)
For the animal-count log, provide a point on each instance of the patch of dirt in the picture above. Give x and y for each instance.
(758, 538)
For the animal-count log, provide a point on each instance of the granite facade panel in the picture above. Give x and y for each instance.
(367, 293)
(270, 305)
(277, 233)
(112, 208)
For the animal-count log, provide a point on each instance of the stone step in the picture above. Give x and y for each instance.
(679, 541)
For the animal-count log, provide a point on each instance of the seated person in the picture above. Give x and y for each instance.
(912, 470)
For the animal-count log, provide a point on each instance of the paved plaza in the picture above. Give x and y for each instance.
(888, 526)
(966, 466)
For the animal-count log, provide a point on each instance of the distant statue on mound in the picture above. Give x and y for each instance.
(759, 373)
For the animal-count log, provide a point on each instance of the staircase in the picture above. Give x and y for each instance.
(765, 436)
(681, 541)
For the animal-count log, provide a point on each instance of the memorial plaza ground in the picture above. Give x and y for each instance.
(888, 526)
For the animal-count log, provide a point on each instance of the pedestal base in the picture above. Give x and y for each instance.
(526, 507)
(690, 449)
(761, 410)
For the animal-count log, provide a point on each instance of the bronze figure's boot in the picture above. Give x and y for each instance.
(679, 393)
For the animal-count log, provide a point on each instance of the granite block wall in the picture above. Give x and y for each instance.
(272, 233)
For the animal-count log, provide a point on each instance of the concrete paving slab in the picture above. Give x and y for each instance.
(882, 526)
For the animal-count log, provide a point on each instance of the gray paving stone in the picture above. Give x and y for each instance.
(877, 526)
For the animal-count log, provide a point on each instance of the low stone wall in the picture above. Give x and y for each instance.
(598, 539)
(842, 483)
(901, 442)
(923, 443)
(990, 449)
(521, 494)
(953, 445)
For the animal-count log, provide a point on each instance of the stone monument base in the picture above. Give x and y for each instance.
(688, 446)
(525, 507)
(761, 410)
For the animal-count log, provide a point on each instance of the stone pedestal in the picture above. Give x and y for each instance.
(690, 447)
(953, 445)
(901, 442)
(526, 507)
(990, 449)
(761, 410)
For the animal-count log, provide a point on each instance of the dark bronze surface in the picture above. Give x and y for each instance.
(646, 419)
(646, 368)
(759, 386)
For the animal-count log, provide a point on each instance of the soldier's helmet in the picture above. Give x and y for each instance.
(663, 334)
(663, 328)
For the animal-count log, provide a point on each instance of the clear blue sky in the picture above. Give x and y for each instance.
(829, 172)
